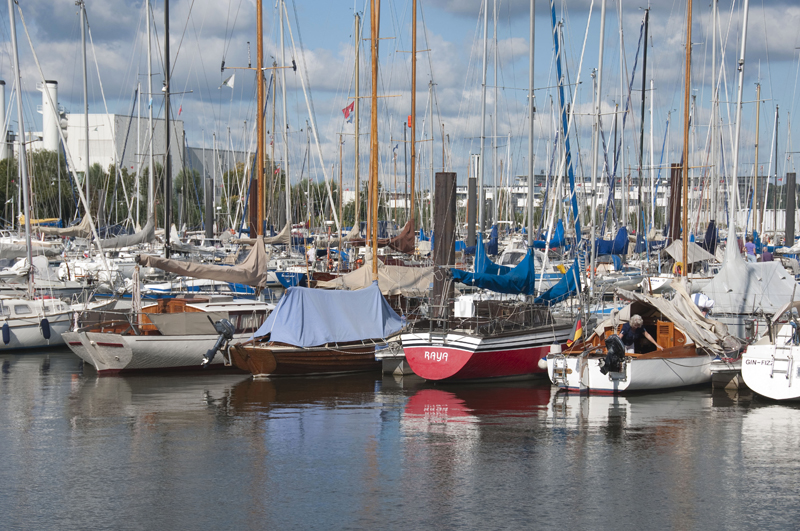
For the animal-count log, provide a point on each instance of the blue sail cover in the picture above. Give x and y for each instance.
(308, 317)
(619, 245)
(484, 264)
(557, 239)
(519, 280)
(569, 284)
(492, 245)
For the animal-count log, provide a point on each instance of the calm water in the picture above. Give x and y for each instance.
(363, 452)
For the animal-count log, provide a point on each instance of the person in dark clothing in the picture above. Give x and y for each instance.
(633, 331)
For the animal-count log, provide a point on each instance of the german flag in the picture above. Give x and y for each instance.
(577, 332)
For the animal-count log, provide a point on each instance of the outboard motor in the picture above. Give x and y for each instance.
(615, 357)
(225, 330)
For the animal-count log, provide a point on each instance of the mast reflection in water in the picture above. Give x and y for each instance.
(362, 451)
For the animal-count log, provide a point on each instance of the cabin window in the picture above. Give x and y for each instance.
(6, 310)
(22, 309)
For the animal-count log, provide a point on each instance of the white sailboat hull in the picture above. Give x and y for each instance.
(26, 333)
(773, 371)
(638, 374)
(113, 353)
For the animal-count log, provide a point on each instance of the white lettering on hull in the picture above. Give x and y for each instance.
(434, 355)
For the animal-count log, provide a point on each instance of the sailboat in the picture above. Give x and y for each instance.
(770, 365)
(29, 322)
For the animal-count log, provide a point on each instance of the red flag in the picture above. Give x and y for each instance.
(180, 109)
(347, 110)
(409, 120)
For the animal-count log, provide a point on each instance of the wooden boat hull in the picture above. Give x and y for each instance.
(111, 353)
(265, 360)
(677, 367)
(461, 356)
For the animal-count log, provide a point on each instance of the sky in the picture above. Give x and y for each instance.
(205, 34)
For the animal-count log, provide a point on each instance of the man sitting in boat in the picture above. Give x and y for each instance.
(633, 331)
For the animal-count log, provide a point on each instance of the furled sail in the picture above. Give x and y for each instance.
(146, 235)
(251, 272)
(81, 230)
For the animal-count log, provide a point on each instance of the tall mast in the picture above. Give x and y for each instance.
(755, 173)
(285, 165)
(713, 162)
(653, 162)
(151, 186)
(596, 141)
(494, 125)
(531, 111)
(481, 207)
(373, 132)
(82, 5)
(413, 108)
(357, 118)
(733, 249)
(430, 127)
(258, 200)
(167, 161)
(23, 159)
(623, 98)
(775, 188)
(641, 135)
(685, 172)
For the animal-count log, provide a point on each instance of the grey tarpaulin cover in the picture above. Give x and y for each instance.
(706, 333)
(284, 237)
(694, 253)
(146, 235)
(81, 230)
(308, 317)
(392, 280)
(12, 251)
(251, 272)
(742, 287)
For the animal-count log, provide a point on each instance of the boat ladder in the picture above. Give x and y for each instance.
(560, 369)
(783, 354)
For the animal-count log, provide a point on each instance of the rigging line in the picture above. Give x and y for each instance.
(233, 29)
(180, 42)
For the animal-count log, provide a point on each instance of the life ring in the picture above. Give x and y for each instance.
(677, 269)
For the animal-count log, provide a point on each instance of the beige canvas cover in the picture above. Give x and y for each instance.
(694, 253)
(251, 272)
(81, 230)
(284, 237)
(392, 280)
(187, 323)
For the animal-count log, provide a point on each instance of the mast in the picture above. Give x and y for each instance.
(713, 162)
(624, 104)
(258, 200)
(339, 249)
(732, 249)
(685, 171)
(596, 144)
(138, 155)
(23, 159)
(357, 116)
(775, 188)
(373, 133)
(481, 207)
(430, 127)
(413, 108)
(151, 186)
(755, 177)
(285, 165)
(86, 166)
(653, 201)
(531, 112)
(494, 126)
(167, 161)
(641, 134)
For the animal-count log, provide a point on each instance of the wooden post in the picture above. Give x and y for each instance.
(444, 244)
(791, 208)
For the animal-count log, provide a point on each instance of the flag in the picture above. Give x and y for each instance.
(180, 109)
(394, 151)
(347, 111)
(577, 335)
(228, 82)
(277, 170)
(150, 103)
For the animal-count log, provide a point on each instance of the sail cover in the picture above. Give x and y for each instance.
(569, 284)
(484, 264)
(392, 280)
(694, 253)
(308, 317)
(81, 230)
(557, 240)
(251, 272)
(146, 235)
(519, 280)
(12, 251)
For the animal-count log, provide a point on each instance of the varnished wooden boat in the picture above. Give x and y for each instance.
(265, 359)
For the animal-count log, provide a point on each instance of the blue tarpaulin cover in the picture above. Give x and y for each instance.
(308, 317)
(492, 245)
(484, 264)
(569, 284)
(619, 245)
(556, 241)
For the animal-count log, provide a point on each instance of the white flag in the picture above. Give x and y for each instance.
(228, 82)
